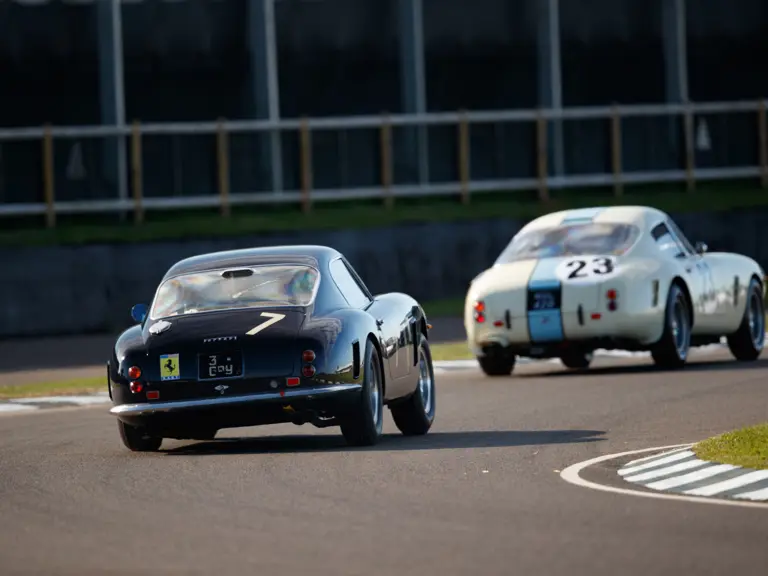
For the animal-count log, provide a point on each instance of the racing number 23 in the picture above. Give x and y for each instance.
(599, 266)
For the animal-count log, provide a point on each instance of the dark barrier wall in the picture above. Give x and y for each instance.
(47, 291)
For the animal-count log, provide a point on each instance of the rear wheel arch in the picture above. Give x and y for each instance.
(423, 327)
(677, 280)
(377, 346)
(754, 277)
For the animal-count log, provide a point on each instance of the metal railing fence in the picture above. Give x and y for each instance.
(294, 138)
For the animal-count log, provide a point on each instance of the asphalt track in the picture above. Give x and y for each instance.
(481, 493)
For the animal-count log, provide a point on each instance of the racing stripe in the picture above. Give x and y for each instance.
(543, 275)
(582, 215)
(545, 325)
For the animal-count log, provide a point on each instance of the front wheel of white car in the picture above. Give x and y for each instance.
(747, 342)
(671, 351)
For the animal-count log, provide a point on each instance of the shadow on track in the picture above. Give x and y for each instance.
(699, 366)
(390, 442)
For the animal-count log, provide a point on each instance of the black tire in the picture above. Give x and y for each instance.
(500, 364)
(414, 416)
(576, 360)
(747, 342)
(136, 439)
(671, 351)
(361, 426)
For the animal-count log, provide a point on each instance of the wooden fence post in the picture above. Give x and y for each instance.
(222, 155)
(618, 186)
(48, 178)
(464, 157)
(541, 156)
(305, 143)
(137, 173)
(762, 130)
(385, 139)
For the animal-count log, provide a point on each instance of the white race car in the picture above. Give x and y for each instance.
(625, 278)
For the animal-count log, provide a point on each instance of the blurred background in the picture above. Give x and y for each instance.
(134, 133)
(178, 67)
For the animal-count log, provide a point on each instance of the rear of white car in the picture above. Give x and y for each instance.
(564, 282)
(508, 305)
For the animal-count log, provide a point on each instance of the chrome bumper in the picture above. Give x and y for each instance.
(146, 408)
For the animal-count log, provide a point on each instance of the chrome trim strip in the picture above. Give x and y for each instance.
(145, 408)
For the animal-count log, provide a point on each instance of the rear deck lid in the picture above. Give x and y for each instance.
(255, 343)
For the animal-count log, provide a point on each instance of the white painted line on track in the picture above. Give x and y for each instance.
(694, 476)
(16, 408)
(653, 463)
(738, 482)
(754, 495)
(91, 399)
(647, 458)
(571, 475)
(687, 465)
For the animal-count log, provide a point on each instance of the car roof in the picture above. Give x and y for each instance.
(641, 216)
(310, 255)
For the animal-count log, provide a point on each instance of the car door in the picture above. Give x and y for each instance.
(402, 361)
(358, 296)
(720, 284)
(705, 301)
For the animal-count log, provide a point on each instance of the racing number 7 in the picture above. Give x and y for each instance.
(273, 319)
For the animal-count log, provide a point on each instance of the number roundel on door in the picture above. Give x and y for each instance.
(581, 268)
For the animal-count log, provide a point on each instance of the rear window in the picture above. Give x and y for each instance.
(571, 240)
(251, 287)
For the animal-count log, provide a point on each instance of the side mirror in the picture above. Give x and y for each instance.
(701, 247)
(139, 313)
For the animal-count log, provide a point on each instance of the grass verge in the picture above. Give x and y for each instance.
(450, 307)
(747, 447)
(246, 220)
(451, 351)
(58, 388)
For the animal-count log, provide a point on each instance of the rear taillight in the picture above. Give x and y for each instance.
(308, 356)
(479, 313)
(134, 372)
(308, 371)
(612, 296)
(136, 387)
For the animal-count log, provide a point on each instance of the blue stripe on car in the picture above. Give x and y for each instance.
(545, 325)
(582, 215)
(543, 275)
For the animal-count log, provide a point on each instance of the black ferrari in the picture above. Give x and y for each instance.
(267, 336)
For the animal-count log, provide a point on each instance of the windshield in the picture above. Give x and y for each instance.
(571, 240)
(254, 287)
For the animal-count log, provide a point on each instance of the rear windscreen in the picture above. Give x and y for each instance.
(570, 240)
(252, 287)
